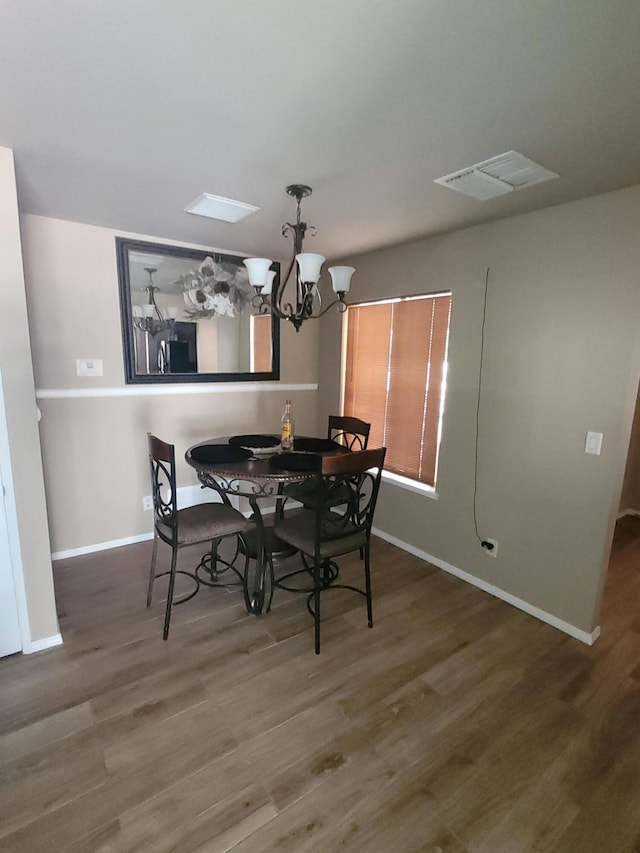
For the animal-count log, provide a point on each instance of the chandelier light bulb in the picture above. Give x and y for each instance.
(341, 278)
(258, 269)
(266, 290)
(309, 266)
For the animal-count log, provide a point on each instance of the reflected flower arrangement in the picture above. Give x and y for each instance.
(215, 289)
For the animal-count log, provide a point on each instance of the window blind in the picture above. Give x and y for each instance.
(261, 343)
(394, 378)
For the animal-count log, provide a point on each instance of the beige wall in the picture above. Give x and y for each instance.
(630, 497)
(561, 358)
(21, 412)
(94, 447)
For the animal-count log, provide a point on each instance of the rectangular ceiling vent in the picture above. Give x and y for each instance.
(498, 176)
(217, 207)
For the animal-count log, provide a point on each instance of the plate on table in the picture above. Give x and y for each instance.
(257, 444)
(212, 454)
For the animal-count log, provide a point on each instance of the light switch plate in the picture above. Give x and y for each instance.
(593, 444)
(89, 366)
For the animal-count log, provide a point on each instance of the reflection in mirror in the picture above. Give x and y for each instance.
(187, 316)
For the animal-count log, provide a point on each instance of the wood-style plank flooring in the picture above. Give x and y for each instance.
(456, 724)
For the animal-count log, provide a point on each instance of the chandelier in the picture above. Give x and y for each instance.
(149, 318)
(308, 299)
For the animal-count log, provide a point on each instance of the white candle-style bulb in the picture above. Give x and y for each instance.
(172, 312)
(266, 290)
(258, 269)
(137, 311)
(309, 266)
(341, 278)
(147, 310)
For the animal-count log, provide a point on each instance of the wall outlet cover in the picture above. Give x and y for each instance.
(493, 552)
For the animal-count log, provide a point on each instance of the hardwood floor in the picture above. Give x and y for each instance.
(456, 724)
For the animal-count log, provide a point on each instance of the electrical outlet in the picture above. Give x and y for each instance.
(147, 503)
(491, 552)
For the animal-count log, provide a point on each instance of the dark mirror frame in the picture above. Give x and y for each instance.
(123, 247)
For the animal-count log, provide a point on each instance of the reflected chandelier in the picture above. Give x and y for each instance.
(308, 299)
(149, 318)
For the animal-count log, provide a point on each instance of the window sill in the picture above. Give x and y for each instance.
(410, 485)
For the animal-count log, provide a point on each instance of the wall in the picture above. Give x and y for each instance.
(22, 424)
(94, 429)
(561, 357)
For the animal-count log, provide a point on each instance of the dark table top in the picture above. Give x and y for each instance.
(260, 465)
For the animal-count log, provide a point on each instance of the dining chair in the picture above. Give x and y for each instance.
(337, 526)
(352, 432)
(179, 528)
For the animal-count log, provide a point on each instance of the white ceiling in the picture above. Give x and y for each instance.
(120, 112)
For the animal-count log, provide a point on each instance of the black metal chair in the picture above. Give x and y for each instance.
(352, 432)
(337, 526)
(208, 522)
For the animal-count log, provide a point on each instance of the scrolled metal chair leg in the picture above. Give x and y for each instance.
(172, 583)
(367, 581)
(152, 573)
(316, 603)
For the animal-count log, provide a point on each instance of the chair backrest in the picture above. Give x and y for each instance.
(348, 485)
(352, 432)
(162, 462)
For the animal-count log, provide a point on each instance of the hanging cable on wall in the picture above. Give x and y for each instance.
(485, 543)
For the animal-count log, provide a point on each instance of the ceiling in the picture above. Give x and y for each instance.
(121, 112)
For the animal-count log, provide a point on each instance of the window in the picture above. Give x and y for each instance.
(260, 342)
(395, 374)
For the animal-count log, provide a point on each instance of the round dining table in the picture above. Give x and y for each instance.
(232, 467)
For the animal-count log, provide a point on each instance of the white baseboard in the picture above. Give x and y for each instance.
(41, 645)
(549, 618)
(100, 546)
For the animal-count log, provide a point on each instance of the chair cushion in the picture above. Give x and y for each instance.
(306, 493)
(298, 529)
(204, 522)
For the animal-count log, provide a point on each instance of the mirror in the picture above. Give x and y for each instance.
(187, 317)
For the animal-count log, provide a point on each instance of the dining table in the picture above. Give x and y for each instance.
(256, 468)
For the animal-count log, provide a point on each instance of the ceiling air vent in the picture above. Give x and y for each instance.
(217, 207)
(498, 176)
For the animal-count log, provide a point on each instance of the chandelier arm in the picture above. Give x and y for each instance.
(261, 304)
(152, 301)
(342, 307)
(318, 295)
(284, 312)
(282, 283)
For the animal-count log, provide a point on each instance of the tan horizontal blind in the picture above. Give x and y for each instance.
(368, 339)
(396, 355)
